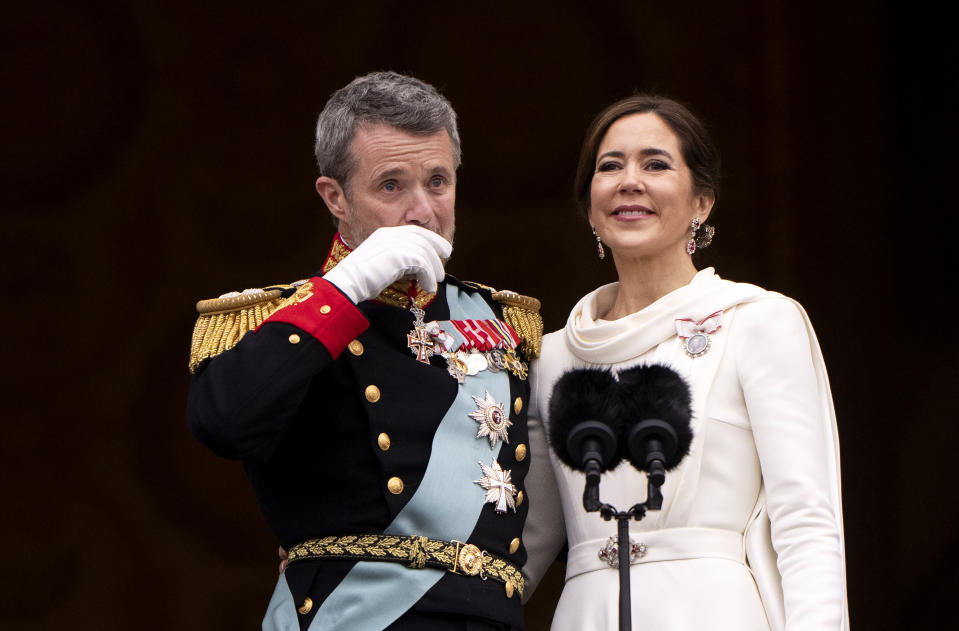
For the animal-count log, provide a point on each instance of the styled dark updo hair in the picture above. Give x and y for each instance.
(697, 147)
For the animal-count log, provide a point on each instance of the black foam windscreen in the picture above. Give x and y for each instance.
(656, 392)
(583, 394)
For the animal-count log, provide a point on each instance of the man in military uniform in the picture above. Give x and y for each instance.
(379, 406)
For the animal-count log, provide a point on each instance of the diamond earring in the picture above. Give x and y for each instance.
(699, 240)
(599, 245)
(691, 244)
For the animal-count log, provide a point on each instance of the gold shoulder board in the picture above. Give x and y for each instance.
(223, 321)
(522, 313)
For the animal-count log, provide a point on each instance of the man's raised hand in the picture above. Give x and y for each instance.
(388, 255)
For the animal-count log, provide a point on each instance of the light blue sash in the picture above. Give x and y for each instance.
(446, 506)
(281, 612)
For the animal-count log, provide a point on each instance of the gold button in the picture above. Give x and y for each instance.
(519, 498)
(372, 394)
(509, 589)
(395, 485)
(514, 545)
(383, 440)
(356, 347)
(294, 339)
(306, 607)
(325, 309)
(518, 405)
(520, 452)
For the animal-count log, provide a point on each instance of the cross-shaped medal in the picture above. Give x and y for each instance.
(500, 490)
(418, 340)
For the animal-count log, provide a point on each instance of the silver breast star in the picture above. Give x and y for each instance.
(499, 487)
(492, 418)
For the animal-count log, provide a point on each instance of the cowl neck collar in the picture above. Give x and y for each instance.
(612, 341)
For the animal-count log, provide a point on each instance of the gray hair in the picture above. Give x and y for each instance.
(379, 97)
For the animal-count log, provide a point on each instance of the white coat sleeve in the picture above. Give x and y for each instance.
(544, 532)
(777, 362)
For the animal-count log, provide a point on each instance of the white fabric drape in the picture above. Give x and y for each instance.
(764, 463)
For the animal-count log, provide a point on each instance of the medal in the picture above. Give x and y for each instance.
(456, 367)
(515, 365)
(468, 346)
(695, 334)
(500, 490)
(418, 340)
(697, 344)
(477, 363)
(496, 359)
(492, 418)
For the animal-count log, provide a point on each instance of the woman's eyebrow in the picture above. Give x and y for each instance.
(655, 151)
(648, 151)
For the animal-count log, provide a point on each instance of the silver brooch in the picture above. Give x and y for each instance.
(697, 344)
(610, 552)
(695, 333)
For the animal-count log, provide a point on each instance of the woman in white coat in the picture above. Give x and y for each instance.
(750, 534)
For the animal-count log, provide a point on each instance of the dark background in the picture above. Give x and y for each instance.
(158, 153)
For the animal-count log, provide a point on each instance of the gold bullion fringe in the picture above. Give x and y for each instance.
(522, 313)
(529, 326)
(415, 552)
(221, 330)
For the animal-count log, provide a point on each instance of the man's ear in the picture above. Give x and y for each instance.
(333, 196)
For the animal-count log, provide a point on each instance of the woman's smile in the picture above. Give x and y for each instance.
(632, 212)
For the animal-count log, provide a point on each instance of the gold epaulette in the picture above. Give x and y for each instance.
(522, 313)
(225, 320)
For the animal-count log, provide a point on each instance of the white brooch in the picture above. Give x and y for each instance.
(695, 334)
(492, 418)
(499, 487)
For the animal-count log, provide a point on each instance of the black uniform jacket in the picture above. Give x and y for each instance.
(324, 409)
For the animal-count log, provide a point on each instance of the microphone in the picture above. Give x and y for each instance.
(592, 415)
(657, 403)
(584, 426)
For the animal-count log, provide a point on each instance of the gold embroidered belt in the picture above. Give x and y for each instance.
(417, 552)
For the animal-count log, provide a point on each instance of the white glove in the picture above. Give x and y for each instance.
(388, 255)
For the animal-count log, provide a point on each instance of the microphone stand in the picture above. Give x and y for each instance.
(654, 501)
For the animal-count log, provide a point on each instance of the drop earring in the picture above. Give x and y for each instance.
(599, 245)
(702, 239)
(691, 244)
